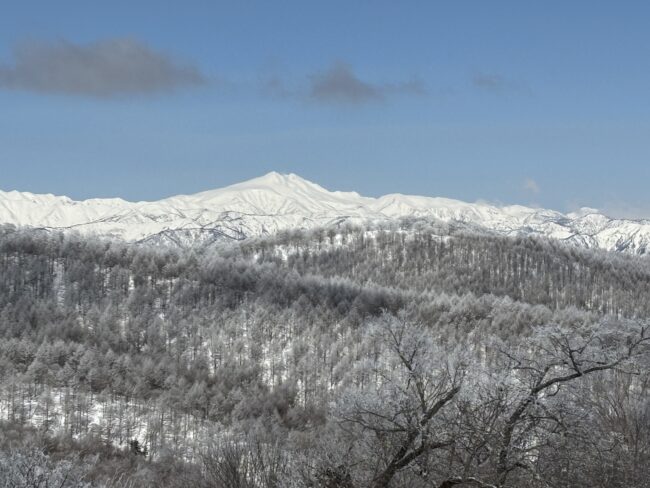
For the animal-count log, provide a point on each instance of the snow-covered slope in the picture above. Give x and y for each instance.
(275, 202)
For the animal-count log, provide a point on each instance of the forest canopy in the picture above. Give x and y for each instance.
(405, 356)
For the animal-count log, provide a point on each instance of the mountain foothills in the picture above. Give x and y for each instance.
(275, 202)
(320, 339)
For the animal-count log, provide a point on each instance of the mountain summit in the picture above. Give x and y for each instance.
(275, 202)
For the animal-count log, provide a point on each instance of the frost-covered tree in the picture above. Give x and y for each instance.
(33, 469)
(397, 417)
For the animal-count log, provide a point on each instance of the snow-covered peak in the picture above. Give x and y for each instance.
(276, 201)
(583, 212)
(275, 193)
(272, 181)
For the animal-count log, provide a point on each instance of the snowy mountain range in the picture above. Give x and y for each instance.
(275, 202)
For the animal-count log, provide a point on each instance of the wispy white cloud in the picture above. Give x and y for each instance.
(530, 185)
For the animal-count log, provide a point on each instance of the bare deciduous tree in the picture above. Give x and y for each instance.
(398, 419)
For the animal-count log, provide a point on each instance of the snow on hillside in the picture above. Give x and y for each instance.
(275, 202)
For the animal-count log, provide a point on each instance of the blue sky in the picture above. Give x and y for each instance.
(543, 103)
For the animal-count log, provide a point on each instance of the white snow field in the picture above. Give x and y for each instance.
(275, 202)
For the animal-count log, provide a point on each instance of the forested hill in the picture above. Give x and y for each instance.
(442, 260)
(286, 338)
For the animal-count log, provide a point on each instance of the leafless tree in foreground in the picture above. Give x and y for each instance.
(397, 420)
(429, 416)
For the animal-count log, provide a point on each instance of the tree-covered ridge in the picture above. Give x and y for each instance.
(420, 257)
(363, 357)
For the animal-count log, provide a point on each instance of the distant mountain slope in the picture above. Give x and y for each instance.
(275, 202)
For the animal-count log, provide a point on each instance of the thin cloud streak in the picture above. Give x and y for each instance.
(531, 185)
(104, 69)
(496, 83)
(491, 82)
(340, 85)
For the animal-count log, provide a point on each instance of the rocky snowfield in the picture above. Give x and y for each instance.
(275, 202)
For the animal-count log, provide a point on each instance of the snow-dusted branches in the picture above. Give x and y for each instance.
(553, 358)
(400, 418)
(434, 414)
